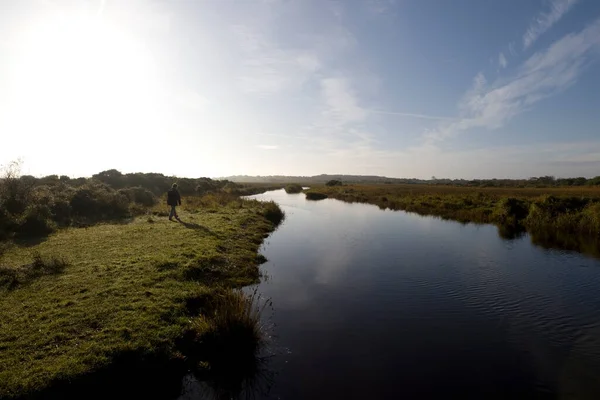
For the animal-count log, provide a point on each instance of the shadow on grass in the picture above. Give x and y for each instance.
(13, 277)
(218, 357)
(131, 375)
(197, 227)
(248, 379)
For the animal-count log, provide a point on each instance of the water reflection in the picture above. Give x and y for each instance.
(385, 304)
(557, 240)
(553, 239)
(246, 379)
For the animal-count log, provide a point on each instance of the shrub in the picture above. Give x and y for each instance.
(139, 195)
(96, 201)
(315, 196)
(511, 211)
(15, 193)
(36, 221)
(293, 188)
(334, 182)
(273, 213)
(590, 220)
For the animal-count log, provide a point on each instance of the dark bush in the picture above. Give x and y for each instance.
(273, 213)
(36, 221)
(293, 188)
(334, 182)
(315, 196)
(96, 201)
(139, 195)
(511, 210)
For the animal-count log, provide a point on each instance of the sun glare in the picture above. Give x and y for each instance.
(76, 72)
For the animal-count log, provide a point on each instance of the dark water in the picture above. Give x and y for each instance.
(385, 305)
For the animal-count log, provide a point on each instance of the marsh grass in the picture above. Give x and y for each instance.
(569, 209)
(231, 337)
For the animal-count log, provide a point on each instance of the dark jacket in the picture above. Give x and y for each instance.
(173, 197)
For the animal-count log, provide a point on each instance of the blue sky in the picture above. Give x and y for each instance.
(403, 88)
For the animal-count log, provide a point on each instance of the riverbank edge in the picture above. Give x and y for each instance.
(172, 358)
(511, 211)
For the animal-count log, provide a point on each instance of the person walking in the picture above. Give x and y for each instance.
(173, 200)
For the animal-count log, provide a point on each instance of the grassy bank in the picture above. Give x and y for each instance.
(566, 209)
(80, 299)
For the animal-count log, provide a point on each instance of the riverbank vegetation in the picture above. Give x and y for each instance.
(533, 182)
(114, 282)
(293, 188)
(566, 209)
(315, 195)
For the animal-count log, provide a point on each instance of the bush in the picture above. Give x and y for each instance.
(293, 189)
(334, 182)
(273, 213)
(37, 221)
(96, 201)
(315, 196)
(15, 193)
(139, 195)
(511, 211)
(590, 220)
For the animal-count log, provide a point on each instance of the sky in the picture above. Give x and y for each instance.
(401, 88)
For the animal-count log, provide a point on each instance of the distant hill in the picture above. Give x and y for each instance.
(542, 181)
(320, 179)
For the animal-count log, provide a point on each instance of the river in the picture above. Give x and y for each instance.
(374, 304)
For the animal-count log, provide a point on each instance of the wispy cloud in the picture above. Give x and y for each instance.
(544, 74)
(267, 146)
(410, 115)
(544, 20)
(379, 6)
(267, 68)
(341, 101)
(502, 60)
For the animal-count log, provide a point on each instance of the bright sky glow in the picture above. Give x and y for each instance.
(402, 88)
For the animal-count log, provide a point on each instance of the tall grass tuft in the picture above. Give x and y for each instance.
(274, 213)
(233, 326)
(230, 340)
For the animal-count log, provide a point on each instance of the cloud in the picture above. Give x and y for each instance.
(267, 146)
(341, 101)
(267, 68)
(379, 6)
(511, 49)
(410, 115)
(502, 60)
(544, 20)
(544, 74)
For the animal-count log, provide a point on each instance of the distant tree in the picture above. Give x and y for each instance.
(334, 182)
(594, 181)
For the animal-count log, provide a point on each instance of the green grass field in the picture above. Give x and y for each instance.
(74, 302)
